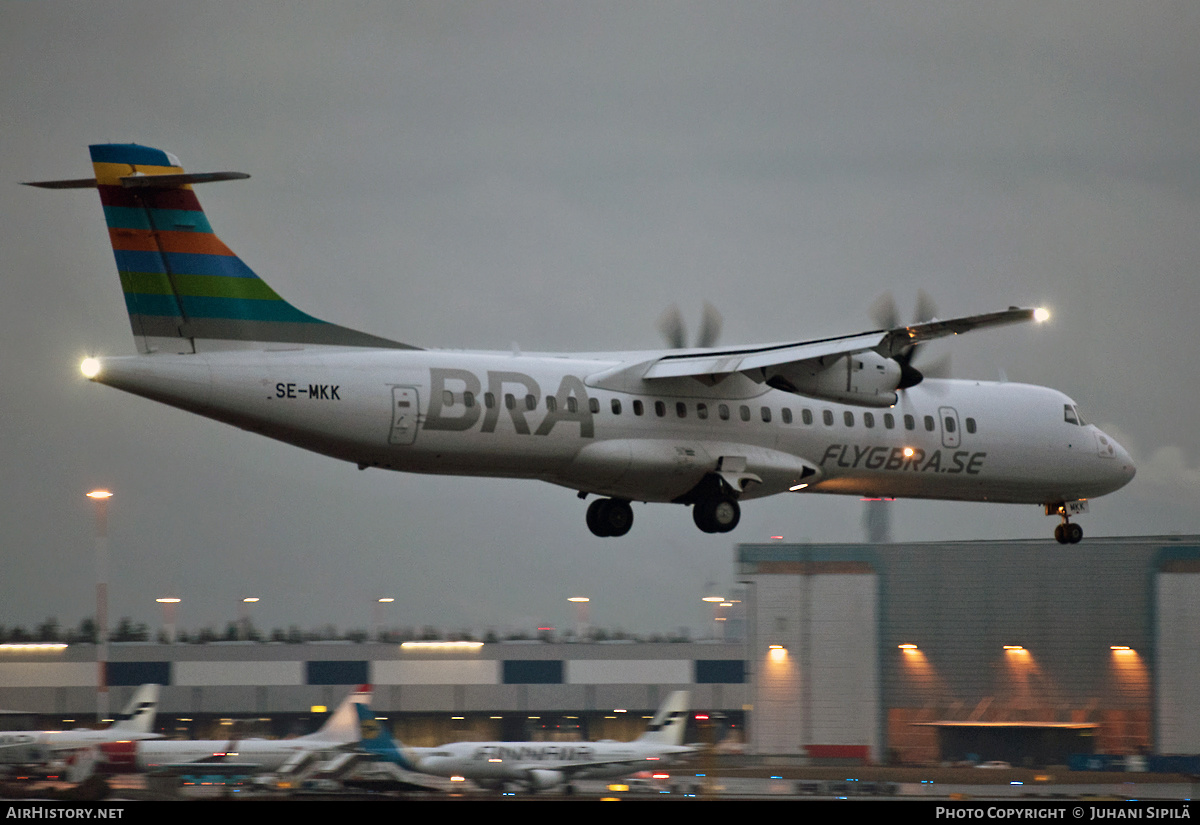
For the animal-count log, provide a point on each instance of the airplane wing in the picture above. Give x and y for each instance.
(887, 343)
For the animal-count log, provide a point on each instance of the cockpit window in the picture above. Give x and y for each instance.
(1070, 415)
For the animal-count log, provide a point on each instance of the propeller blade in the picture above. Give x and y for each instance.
(926, 308)
(670, 324)
(883, 312)
(939, 368)
(710, 327)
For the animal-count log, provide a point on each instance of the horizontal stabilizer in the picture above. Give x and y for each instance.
(143, 181)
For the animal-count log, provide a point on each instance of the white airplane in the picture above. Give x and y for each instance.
(230, 757)
(48, 747)
(538, 765)
(707, 427)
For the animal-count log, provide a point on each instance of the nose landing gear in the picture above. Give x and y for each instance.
(1067, 532)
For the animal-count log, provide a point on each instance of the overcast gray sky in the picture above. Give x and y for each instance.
(555, 175)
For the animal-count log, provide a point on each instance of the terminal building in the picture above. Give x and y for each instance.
(1022, 651)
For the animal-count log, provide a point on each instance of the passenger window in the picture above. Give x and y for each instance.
(889, 421)
(786, 415)
(827, 417)
(469, 398)
(723, 411)
(551, 403)
(868, 420)
(766, 414)
(848, 418)
(806, 416)
(447, 398)
(949, 423)
(594, 405)
(509, 401)
(638, 407)
(489, 400)
(971, 425)
(929, 423)
(702, 411)
(531, 402)
(616, 406)
(681, 409)
(745, 413)
(660, 409)
(910, 423)
(572, 404)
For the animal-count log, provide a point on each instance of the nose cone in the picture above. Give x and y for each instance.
(1122, 469)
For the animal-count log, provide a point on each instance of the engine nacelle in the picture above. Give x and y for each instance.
(864, 378)
(540, 780)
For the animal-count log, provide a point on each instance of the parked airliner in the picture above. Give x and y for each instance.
(707, 427)
(235, 757)
(49, 747)
(538, 765)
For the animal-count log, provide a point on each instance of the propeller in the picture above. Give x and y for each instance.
(671, 325)
(886, 316)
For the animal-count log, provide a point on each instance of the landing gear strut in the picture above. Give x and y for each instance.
(609, 517)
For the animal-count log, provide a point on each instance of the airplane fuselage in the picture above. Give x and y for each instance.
(199, 756)
(543, 763)
(569, 420)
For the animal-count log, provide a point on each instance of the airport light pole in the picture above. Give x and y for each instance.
(244, 617)
(581, 615)
(101, 497)
(377, 616)
(168, 606)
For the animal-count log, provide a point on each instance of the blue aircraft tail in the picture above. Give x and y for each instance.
(375, 739)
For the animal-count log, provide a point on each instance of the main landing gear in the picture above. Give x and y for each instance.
(715, 510)
(609, 517)
(718, 513)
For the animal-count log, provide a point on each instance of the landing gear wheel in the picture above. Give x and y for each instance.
(609, 517)
(1068, 533)
(718, 514)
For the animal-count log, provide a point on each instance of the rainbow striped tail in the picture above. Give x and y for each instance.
(185, 290)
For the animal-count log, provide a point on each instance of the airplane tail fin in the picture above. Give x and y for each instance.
(374, 739)
(668, 725)
(342, 724)
(138, 716)
(185, 290)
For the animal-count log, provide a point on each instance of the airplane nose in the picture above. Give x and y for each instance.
(1123, 466)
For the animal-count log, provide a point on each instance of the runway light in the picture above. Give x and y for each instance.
(90, 367)
(99, 495)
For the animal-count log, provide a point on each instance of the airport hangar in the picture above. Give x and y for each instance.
(913, 653)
